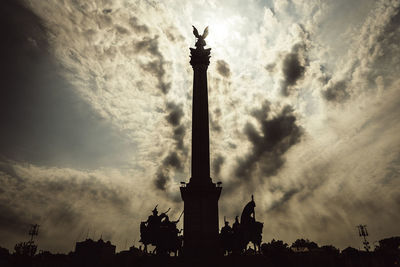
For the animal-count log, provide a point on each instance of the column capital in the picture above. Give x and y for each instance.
(200, 56)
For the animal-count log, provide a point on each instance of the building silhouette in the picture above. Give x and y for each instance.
(94, 253)
(200, 195)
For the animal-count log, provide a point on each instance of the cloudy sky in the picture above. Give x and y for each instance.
(95, 113)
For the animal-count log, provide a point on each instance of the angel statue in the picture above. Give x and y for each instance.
(200, 38)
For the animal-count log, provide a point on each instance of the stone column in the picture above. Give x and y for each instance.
(200, 130)
(200, 195)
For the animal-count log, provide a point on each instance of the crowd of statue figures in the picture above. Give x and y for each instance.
(164, 235)
(236, 238)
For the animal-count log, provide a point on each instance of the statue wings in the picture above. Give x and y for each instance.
(205, 33)
(196, 33)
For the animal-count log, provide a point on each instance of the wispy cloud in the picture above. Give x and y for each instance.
(97, 101)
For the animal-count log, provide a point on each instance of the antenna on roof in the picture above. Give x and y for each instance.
(34, 231)
(362, 231)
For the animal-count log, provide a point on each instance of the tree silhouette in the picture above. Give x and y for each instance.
(389, 244)
(303, 244)
(275, 247)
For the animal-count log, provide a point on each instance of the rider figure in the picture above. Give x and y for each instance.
(226, 230)
(170, 225)
(226, 237)
(154, 220)
(236, 225)
(248, 214)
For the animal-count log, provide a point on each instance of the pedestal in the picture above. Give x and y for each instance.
(201, 226)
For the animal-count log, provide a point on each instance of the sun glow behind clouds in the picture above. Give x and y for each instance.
(218, 33)
(223, 32)
(253, 39)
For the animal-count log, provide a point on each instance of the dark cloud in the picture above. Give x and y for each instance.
(178, 136)
(173, 162)
(325, 77)
(293, 68)
(278, 133)
(63, 214)
(270, 67)
(149, 45)
(313, 177)
(6, 168)
(173, 34)
(157, 66)
(43, 119)
(137, 27)
(279, 205)
(175, 114)
(175, 159)
(55, 203)
(161, 179)
(215, 125)
(232, 145)
(121, 30)
(223, 68)
(217, 112)
(214, 120)
(13, 220)
(104, 21)
(310, 180)
(174, 117)
(217, 164)
(337, 92)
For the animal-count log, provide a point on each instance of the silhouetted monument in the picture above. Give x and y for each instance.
(162, 233)
(200, 195)
(236, 238)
